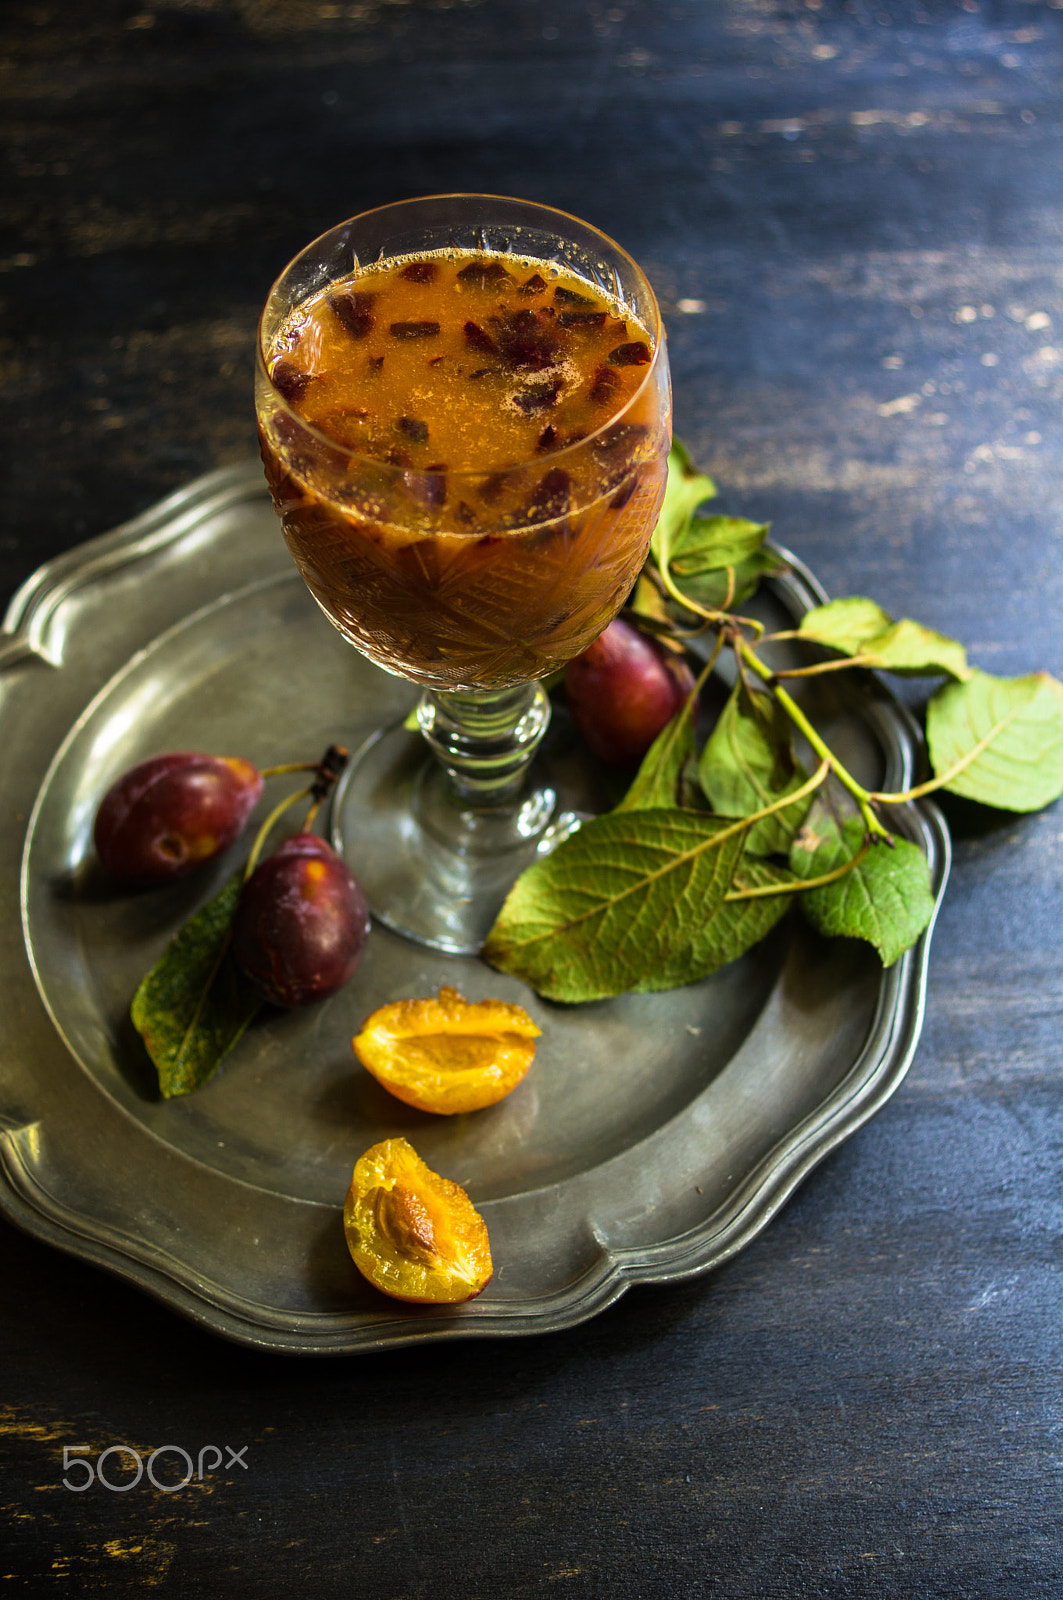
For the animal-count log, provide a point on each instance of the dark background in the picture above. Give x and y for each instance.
(853, 214)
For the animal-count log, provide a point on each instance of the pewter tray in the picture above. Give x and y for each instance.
(654, 1136)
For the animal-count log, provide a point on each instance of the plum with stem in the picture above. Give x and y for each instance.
(301, 923)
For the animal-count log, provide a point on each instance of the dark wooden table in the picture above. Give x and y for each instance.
(853, 214)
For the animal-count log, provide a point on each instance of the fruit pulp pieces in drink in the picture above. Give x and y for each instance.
(459, 364)
(498, 463)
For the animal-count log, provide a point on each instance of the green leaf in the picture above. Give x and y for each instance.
(733, 928)
(649, 604)
(685, 491)
(708, 544)
(656, 783)
(914, 651)
(887, 899)
(747, 765)
(1000, 740)
(860, 627)
(845, 625)
(195, 1002)
(614, 903)
(710, 589)
(690, 796)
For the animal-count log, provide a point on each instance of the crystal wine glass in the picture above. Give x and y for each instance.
(464, 412)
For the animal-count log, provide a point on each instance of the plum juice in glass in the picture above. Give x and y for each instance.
(464, 413)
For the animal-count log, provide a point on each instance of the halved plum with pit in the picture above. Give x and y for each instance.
(411, 1233)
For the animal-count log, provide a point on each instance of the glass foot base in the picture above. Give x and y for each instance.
(431, 870)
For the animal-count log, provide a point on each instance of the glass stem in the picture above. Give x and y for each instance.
(485, 740)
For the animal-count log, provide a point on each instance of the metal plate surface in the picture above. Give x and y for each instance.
(655, 1134)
